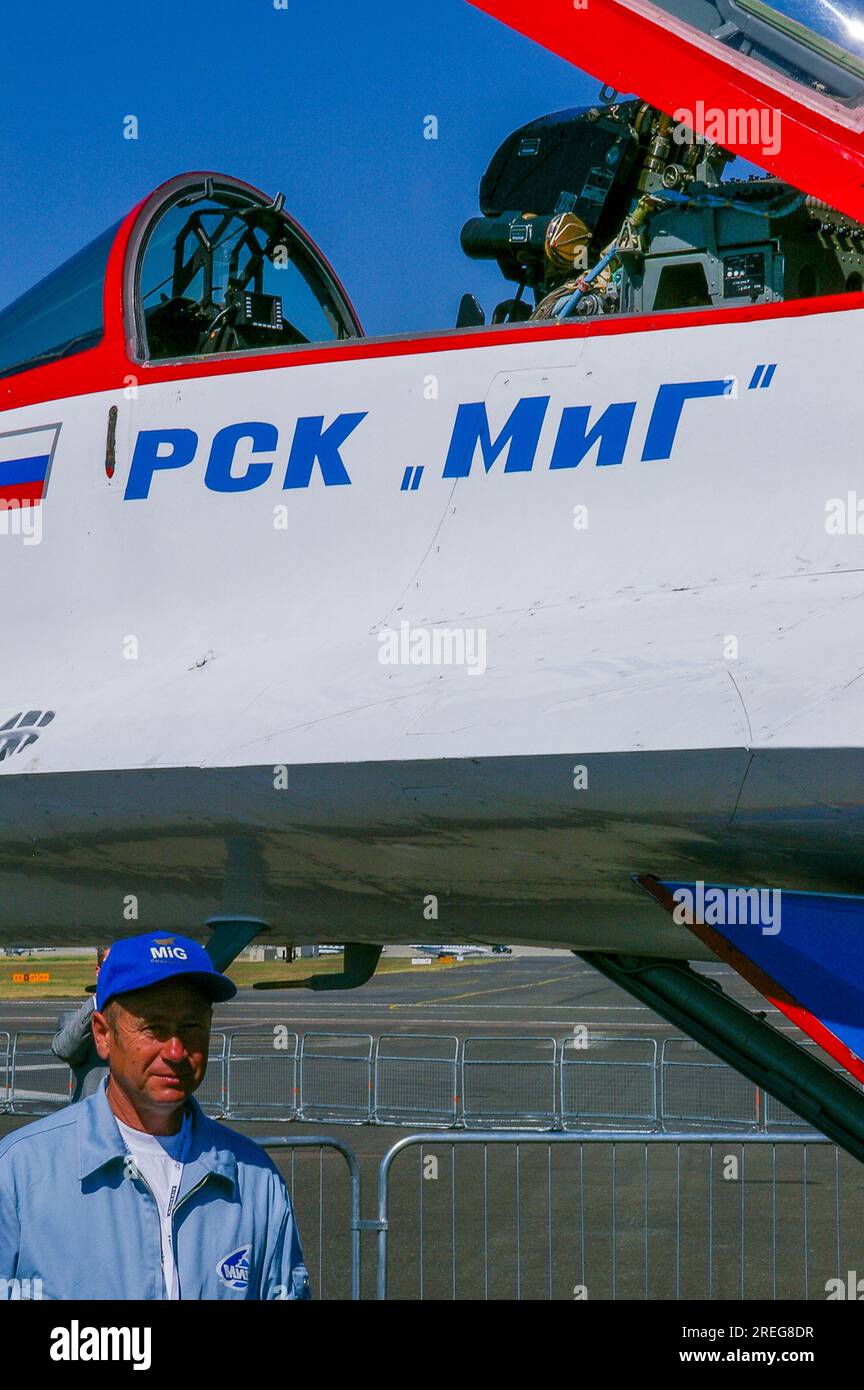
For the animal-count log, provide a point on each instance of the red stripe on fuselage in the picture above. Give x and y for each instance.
(30, 494)
(103, 369)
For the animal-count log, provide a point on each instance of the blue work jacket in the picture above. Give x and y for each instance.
(73, 1218)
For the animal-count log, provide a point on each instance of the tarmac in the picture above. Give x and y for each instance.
(523, 992)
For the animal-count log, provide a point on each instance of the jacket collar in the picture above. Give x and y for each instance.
(100, 1142)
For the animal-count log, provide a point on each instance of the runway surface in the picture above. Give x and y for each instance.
(516, 994)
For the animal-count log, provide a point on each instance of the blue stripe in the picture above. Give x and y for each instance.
(817, 955)
(30, 470)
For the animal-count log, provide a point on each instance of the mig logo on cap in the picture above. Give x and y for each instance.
(234, 1269)
(164, 949)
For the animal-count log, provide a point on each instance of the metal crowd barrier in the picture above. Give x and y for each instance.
(696, 1084)
(263, 1076)
(591, 1216)
(5, 1071)
(518, 1086)
(332, 1239)
(430, 1080)
(336, 1077)
(697, 1088)
(616, 1216)
(416, 1080)
(601, 1086)
(212, 1094)
(38, 1079)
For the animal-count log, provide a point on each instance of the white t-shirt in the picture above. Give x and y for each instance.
(159, 1159)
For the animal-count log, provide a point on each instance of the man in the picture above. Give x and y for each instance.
(134, 1193)
(74, 1043)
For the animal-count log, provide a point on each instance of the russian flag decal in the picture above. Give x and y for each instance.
(25, 465)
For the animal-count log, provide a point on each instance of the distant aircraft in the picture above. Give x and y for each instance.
(524, 617)
(445, 949)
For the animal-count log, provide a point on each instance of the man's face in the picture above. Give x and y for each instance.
(155, 1042)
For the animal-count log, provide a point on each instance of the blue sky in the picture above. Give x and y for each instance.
(325, 102)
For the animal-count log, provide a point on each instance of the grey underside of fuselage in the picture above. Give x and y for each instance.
(509, 848)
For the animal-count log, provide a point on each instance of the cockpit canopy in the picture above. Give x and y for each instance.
(212, 267)
(816, 43)
(219, 269)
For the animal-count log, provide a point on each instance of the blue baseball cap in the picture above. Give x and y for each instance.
(137, 962)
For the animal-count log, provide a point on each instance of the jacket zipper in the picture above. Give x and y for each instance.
(148, 1189)
(177, 1206)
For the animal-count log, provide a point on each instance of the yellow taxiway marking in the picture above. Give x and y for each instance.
(473, 993)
